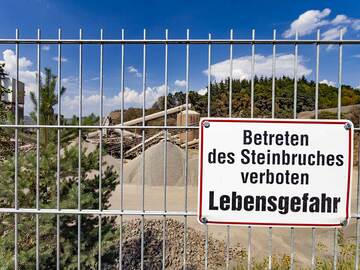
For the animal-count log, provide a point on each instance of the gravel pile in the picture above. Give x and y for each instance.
(153, 246)
(154, 166)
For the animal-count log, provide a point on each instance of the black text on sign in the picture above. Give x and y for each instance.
(275, 172)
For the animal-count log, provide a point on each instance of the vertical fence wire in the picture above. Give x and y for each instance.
(251, 115)
(340, 76)
(165, 149)
(38, 82)
(273, 73)
(292, 248)
(252, 75)
(249, 264)
(143, 153)
(227, 262)
(339, 117)
(313, 230)
(295, 75)
(252, 90)
(273, 104)
(58, 152)
(335, 251)
(270, 249)
(209, 79)
(101, 110)
(122, 89)
(186, 143)
(292, 237)
(209, 115)
(79, 151)
(231, 73)
(313, 248)
(317, 75)
(230, 115)
(16, 229)
(206, 245)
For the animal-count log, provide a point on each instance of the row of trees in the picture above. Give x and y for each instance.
(241, 97)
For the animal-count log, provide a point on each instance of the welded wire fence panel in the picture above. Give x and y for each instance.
(99, 215)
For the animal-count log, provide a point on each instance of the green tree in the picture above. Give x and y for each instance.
(47, 195)
(68, 177)
(48, 99)
(6, 146)
(3, 77)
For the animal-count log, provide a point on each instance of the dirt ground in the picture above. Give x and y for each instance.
(154, 200)
(176, 201)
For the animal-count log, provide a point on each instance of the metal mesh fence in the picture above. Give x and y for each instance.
(142, 212)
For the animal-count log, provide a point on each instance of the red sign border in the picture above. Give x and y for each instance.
(281, 121)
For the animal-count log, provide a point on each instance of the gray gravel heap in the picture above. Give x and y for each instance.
(154, 167)
(153, 246)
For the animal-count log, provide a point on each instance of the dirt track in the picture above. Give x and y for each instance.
(344, 109)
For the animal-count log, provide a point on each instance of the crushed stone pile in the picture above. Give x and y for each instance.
(154, 167)
(153, 246)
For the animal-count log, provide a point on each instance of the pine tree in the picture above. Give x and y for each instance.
(48, 99)
(6, 146)
(47, 199)
(68, 193)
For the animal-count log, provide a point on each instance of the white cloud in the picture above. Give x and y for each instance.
(63, 59)
(311, 20)
(263, 67)
(70, 79)
(308, 22)
(134, 71)
(202, 91)
(356, 24)
(45, 47)
(26, 74)
(180, 83)
(330, 83)
(340, 19)
(71, 84)
(132, 98)
(356, 55)
(333, 33)
(10, 62)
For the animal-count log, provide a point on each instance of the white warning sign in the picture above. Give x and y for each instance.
(275, 172)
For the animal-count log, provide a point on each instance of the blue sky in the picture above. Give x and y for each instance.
(201, 17)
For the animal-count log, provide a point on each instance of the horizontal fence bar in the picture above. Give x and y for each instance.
(94, 212)
(176, 41)
(98, 127)
(105, 212)
(108, 127)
